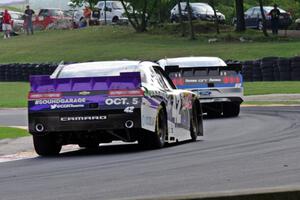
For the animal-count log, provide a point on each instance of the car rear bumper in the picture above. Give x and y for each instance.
(211, 95)
(83, 121)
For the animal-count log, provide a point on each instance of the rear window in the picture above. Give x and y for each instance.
(76, 71)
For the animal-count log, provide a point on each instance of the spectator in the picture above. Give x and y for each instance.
(28, 20)
(87, 15)
(275, 13)
(6, 24)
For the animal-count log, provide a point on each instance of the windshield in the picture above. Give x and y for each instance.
(117, 5)
(202, 8)
(268, 9)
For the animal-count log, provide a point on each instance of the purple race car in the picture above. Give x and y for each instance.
(99, 102)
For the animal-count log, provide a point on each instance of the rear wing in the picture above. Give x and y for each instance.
(126, 81)
(196, 77)
(237, 67)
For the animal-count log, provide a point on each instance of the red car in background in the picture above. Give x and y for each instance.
(48, 16)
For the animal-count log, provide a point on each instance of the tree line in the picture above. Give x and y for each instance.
(141, 13)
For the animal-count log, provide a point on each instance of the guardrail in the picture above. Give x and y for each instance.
(265, 69)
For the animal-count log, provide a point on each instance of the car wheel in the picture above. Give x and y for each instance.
(46, 145)
(214, 110)
(158, 137)
(115, 19)
(196, 127)
(231, 109)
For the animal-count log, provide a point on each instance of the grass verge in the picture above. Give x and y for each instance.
(114, 43)
(270, 103)
(282, 87)
(13, 95)
(7, 132)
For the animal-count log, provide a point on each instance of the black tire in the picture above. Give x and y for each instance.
(115, 19)
(214, 110)
(196, 127)
(157, 139)
(231, 109)
(46, 145)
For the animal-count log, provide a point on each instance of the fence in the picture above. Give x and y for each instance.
(266, 69)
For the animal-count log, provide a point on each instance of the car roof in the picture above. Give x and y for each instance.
(187, 62)
(268, 8)
(107, 67)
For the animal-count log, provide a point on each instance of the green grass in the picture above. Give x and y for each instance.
(258, 88)
(6, 132)
(14, 95)
(113, 43)
(266, 103)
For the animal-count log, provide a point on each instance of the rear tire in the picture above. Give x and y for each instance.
(231, 109)
(196, 128)
(214, 110)
(157, 139)
(115, 19)
(46, 145)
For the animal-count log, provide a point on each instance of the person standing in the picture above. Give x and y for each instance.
(28, 20)
(275, 14)
(87, 12)
(6, 24)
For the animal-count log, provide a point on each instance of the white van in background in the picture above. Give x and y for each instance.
(114, 11)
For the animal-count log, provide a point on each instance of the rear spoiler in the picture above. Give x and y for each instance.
(230, 66)
(127, 80)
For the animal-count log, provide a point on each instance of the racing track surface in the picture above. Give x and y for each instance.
(261, 148)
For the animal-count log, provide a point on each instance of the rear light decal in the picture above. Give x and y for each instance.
(38, 96)
(125, 93)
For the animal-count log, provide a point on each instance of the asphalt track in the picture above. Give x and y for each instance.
(261, 148)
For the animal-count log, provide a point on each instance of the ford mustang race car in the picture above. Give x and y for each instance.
(220, 86)
(99, 102)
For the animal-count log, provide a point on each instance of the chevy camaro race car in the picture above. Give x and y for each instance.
(99, 102)
(220, 86)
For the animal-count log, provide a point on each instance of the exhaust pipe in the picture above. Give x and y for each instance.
(39, 128)
(129, 124)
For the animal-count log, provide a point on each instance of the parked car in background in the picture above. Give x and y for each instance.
(200, 11)
(219, 85)
(17, 20)
(114, 10)
(49, 16)
(253, 18)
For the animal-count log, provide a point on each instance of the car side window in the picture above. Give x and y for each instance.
(163, 81)
(256, 12)
(249, 12)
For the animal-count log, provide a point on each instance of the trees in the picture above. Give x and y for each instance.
(91, 3)
(139, 12)
(240, 18)
(264, 27)
(191, 26)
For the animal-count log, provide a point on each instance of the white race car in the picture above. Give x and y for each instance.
(98, 102)
(220, 86)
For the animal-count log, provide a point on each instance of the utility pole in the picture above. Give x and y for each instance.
(105, 22)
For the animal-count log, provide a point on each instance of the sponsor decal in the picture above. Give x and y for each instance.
(61, 106)
(122, 101)
(35, 96)
(83, 118)
(122, 93)
(84, 93)
(129, 109)
(60, 101)
(204, 92)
